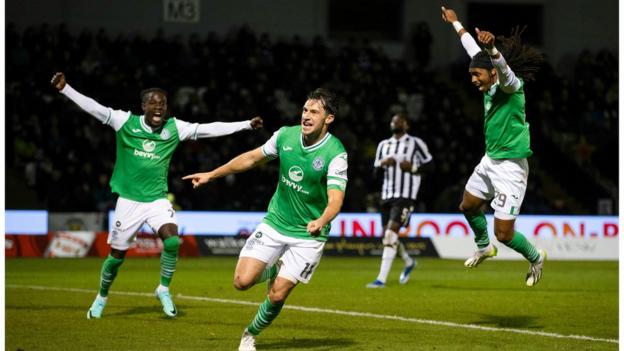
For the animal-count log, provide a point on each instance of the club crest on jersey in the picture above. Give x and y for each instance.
(318, 163)
(165, 134)
(149, 145)
(295, 173)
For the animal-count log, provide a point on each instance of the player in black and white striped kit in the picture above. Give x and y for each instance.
(401, 158)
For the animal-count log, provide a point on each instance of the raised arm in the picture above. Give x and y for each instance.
(196, 131)
(238, 164)
(507, 80)
(106, 115)
(470, 45)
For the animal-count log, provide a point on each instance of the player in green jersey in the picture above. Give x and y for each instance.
(501, 176)
(145, 145)
(287, 246)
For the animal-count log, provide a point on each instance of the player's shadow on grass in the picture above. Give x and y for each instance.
(509, 321)
(145, 310)
(308, 344)
(478, 288)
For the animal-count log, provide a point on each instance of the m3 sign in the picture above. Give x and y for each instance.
(185, 11)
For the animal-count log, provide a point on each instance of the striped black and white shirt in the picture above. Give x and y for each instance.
(397, 183)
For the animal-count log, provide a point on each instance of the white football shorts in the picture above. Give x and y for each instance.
(299, 257)
(502, 181)
(130, 215)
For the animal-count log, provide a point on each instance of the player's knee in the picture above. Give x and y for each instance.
(467, 208)
(503, 234)
(119, 254)
(240, 283)
(391, 238)
(278, 296)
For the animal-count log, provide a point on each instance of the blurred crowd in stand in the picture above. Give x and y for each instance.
(65, 157)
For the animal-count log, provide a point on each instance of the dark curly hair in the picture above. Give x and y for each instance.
(524, 60)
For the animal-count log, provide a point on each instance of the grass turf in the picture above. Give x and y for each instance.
(574, 298)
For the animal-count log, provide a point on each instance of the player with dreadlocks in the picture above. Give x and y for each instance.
(501, 176)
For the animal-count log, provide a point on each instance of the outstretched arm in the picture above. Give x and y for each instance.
(507, 80)
(470, 45)
(106, 115)
(196, 131)
(238, 164)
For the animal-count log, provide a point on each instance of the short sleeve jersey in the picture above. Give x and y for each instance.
(305, 175)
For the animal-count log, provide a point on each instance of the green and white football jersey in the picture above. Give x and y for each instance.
(305, 175)
(143, 159)
(506, 129)
(144, 154)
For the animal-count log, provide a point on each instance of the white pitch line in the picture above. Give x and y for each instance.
(337, 312)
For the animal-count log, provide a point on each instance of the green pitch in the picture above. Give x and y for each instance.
(444, 307)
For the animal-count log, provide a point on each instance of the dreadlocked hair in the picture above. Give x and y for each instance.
(524, 60)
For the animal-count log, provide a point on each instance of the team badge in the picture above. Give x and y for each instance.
(258, 235)
(165, 134)
(318, 163)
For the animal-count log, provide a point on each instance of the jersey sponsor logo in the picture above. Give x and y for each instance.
(291, 184)
(258, 235)
(144, 154)
(287, 148)
(165, 134)
(295, 173)
(318, 163)
(149, 145)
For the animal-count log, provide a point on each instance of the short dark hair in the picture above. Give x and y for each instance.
(403, 116)
(146, 92)
(329, 99)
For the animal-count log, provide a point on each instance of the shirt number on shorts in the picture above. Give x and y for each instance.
(500, 199)
(305, 273)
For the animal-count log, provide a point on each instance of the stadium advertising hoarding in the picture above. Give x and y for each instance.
(30, 222)
(421, 225)
(353, 224)
(444, 235)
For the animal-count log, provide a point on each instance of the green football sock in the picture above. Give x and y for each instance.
(520, 244)
(108, 273)
(478, 224)
(268, 273)
(266, 314)
(168, 259)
